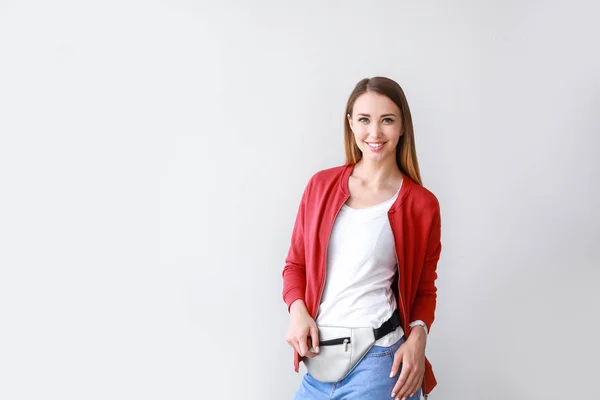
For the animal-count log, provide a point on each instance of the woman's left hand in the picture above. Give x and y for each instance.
(412, 356)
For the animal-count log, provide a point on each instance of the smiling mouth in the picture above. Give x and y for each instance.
(374, 145)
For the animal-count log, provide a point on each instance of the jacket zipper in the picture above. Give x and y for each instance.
(325, 259)
(399, 276)
(402, 302)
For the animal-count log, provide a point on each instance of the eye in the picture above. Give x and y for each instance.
(388, 120)
(363, 120)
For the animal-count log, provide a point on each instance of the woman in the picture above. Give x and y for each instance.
(365, 247)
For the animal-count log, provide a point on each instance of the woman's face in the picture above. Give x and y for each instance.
(376, 124)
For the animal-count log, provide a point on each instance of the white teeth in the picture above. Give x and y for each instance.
(375, 145)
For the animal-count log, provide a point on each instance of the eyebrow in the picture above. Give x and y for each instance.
(384, 115)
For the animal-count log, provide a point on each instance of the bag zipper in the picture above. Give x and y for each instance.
(333, 342)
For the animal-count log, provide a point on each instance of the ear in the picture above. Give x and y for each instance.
(350, 121)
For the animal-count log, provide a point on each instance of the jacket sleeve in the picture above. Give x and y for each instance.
(294, 271)
(424, 304)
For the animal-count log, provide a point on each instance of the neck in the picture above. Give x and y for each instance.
(378, 174)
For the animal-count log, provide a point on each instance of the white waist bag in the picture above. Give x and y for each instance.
(342, 348)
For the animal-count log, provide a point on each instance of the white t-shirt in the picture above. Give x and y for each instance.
(361, 263)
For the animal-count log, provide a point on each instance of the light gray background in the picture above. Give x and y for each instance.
(153, 155)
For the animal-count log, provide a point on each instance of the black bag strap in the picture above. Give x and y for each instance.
(388, 326)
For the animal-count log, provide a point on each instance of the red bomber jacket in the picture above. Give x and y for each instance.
(416, 225)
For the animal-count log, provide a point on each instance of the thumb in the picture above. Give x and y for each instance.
(397, 361)
(314, 337)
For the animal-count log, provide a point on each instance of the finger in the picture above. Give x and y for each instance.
(290, 341)
(302, 345)
(293, 342)
(417, 385)
(409, 386)
(296, 346)
(396, 364)
(309, 352)
(400, 384)
(314, 337)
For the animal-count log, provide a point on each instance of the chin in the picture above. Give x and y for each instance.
(375, 157)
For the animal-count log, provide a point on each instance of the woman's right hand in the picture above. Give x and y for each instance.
(302, 327)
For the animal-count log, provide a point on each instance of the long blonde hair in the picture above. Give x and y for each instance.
(406, 152)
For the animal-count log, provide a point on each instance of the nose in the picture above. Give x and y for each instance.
(375, 130)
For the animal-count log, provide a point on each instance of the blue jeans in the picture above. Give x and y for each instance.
(370, 380)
